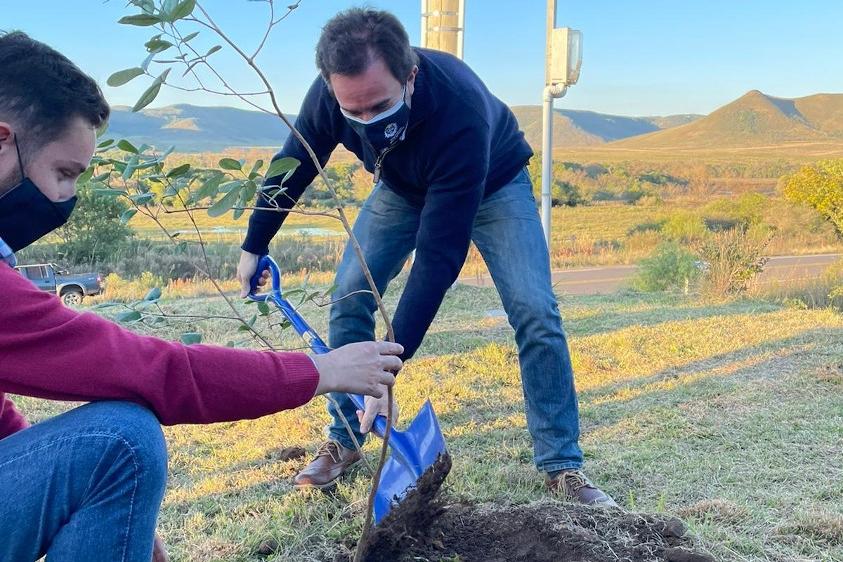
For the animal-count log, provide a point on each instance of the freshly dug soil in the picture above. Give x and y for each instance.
(410, 523)
(545, 531)
(423, 527)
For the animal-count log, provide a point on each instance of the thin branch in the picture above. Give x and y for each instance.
(215, 92)
(390, 334)
(257, 334)
(358, 250)
(270, 209)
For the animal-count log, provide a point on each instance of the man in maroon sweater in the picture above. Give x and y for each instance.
(87, 485)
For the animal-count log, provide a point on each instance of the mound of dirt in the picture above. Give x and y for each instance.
(545, 531)
(423, 527)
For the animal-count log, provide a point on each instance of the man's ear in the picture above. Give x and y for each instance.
(8, 153)
(6, 133)
(7, 142)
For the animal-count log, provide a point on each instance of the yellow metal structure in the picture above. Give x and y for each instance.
(443, 25)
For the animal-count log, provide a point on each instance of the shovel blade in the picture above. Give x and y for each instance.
(413, 451)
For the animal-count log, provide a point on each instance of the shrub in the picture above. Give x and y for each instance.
(732, 259)
(565, 193)
(94, 230)
(684, 226)
(819, 186)
(670, 267)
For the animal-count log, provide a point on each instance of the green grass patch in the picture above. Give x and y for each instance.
(728, 414)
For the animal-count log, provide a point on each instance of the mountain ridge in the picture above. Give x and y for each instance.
(754, 119)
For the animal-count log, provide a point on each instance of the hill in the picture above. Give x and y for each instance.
(589, 128)
(193, 128)
(754, 120)
(213, 129)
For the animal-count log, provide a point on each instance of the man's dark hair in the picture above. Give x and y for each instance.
(352, 39)
(41, 92)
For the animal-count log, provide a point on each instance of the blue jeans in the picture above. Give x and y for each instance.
(85, 485)
(508, 233)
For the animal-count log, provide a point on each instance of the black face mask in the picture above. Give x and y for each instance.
(386, 129)
(26, 214)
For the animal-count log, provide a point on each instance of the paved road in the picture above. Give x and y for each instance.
(608, 279)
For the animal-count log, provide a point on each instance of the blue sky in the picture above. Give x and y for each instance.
(653, 57)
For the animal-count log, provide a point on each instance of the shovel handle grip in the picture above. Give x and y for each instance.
(300, 324)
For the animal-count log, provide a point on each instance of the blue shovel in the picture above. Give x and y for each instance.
(413, 450)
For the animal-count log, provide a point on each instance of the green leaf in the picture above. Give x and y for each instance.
(126, 146)
(142, 198)
(151, 93)
(223, 205)
(249, 192)
(271, 192)
(153, 295)
(209, 189)
(109, 192)
(229, 185)
(247, 326)
(86, 176)
(189, 338)
(182, 10)
(256, 167)
(178, 171)
(129, 316)
(263, 308)
(124, 76)
(127, 215)
(157, 45)
(282, 166)
(141, 20)
(106, 143)
(212, 50)
(189, 36)
(146, 61)
(190, 67)
(230, 164)
(130, 168)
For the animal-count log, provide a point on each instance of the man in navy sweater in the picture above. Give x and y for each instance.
(449, 168)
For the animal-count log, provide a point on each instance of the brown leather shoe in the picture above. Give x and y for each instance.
(574, 486)
(332, 461)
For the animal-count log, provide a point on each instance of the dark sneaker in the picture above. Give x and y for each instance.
(332, 461)
(574, 486)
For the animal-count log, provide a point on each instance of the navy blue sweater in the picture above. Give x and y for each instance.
(462, 144)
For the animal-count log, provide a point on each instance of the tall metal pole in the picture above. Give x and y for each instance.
(550, 92)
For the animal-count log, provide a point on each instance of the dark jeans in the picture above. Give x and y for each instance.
(508, 233)
(85, 485)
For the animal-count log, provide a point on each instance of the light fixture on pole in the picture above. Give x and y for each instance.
(563, 58)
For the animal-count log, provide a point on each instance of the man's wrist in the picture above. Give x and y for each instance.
(325, 383)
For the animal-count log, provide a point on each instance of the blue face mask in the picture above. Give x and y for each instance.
(385, 129)
(26, 214)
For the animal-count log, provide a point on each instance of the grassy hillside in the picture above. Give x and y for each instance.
(588, 128)
(755, 120)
